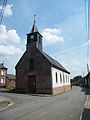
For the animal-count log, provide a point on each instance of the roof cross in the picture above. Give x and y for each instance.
(34, 17)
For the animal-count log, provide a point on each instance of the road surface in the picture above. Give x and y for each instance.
(66, 106)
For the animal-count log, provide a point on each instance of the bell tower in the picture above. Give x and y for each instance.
(34, 38)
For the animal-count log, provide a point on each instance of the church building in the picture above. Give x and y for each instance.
(37, 72)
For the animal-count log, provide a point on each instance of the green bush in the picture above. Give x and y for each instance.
(11, 88)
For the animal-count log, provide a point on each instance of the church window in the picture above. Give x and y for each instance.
(60, 78)
(39, 39)
(56, 78)
(31, 64)
(66, 79)
(63, 79)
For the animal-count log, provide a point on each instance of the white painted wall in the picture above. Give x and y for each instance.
(63, 74)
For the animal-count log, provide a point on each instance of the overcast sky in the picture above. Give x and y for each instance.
(62, 24)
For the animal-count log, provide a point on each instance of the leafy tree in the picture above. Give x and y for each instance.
(77, 80)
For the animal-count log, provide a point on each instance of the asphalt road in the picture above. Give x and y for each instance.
(66, 106)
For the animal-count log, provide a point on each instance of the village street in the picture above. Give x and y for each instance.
(66, 106)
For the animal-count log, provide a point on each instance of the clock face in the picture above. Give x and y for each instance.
(32, 36)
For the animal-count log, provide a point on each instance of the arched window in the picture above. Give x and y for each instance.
(66, 78)
(60, 78)
(56, 78)
(63, 79)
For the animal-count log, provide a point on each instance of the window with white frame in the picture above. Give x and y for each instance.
(3, 72)
(60, 78)
(56, 78)
(63, 79)
(2, 80)
(66, 78)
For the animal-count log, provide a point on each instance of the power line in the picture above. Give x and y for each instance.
(2, 10)
(88, 34)
(87, 25)
(86, 19)
(88, 28)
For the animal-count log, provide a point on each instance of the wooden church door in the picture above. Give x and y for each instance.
(32, 83)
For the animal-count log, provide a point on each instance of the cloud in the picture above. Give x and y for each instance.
(89, 41)
(52, 36)
(8, 39)
(8, 10)
(9, 50)
(10, 35)
(75, 66)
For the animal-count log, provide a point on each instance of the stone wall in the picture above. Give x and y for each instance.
(43, 74)
(62, 89)
(42, 71)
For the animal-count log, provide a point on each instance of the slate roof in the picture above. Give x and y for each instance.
(34, 28)
(87, 75)
(54, 63)
(2, 66)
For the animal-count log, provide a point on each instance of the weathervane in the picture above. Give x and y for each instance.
(34, 17)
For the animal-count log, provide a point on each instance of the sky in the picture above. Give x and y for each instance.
(62, 24)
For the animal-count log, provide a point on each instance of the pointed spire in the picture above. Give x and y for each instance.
(34, 28)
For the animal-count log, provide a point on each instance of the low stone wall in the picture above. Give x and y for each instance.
(67, 88)
(2, 85)
(62, 89)
(10, 84)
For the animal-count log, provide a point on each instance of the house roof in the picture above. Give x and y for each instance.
(87, 75)
(2, 66)
(54, 63)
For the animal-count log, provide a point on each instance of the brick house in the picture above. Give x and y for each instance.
(3, 75)
(37, 72)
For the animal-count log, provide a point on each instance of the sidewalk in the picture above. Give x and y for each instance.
(86, 110)
(5, 102)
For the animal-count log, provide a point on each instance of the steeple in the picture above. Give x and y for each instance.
(34, 38)
(34, 28)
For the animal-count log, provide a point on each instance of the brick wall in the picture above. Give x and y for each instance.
(3, 76)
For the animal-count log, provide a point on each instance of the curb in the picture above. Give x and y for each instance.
(6, 104)
(85, 103)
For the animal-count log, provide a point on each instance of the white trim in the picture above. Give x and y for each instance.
(2, 80)
(59, 83)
